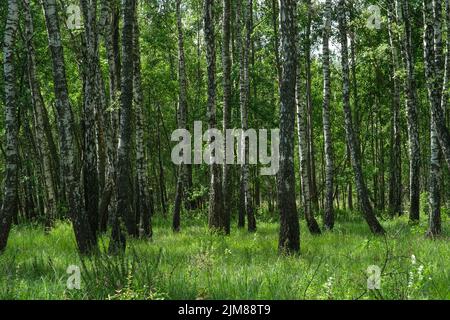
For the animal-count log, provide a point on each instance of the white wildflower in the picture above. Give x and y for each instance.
(411, 279)
(329, 286)
(420, 272)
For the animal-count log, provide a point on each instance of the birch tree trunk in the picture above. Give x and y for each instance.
(411, 111)
(226, 64)
(10, 206)
(276, 39)
(434, 76)
(189, 203)
(181, 119)
(240, 47)
(110, 30)
(91, 100)
(328, 143)
(289, 239)
(446, 95)
(311, 164)
(395, 163)
(143, 209)
(445, 91)
(437, 112)
(354, 80)
(363, 192)
(244, 103)
(356, 105)
(216, 215)
(302, 128)
(43, 139)
(162, 180)
(85, 237)
(124, 198)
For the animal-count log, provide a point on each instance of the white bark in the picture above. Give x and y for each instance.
(9, 206)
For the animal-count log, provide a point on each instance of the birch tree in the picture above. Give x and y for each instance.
(91, 100)
(361, 187)
(276, 39)
(181, 119)
(328, 143)
(411, 111)
(302, 132)
(9, 206)
(216, 215)
(239, 49)
(227, 95)
(41, 124)
(311, 164)
(437, 112)
(142, 205)
(289, 239)
(395, 163)
(85, 237)
(124, 185)
(244, 91)
(432, 13)
(110, 33)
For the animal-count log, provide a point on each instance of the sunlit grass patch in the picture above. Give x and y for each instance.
(195, 264)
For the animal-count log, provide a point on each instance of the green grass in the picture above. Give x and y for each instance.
(197, 265)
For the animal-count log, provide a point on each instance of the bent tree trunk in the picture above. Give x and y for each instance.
(289, 239)
(85, 238)
(363, 192)
(9, 206)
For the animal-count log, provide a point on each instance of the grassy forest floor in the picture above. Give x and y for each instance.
(197, 265)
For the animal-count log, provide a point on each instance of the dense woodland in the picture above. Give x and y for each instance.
(92, 91)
